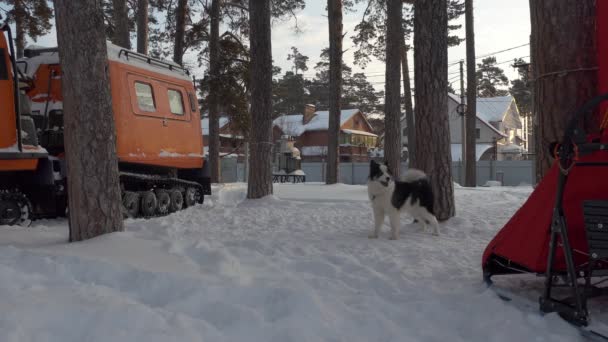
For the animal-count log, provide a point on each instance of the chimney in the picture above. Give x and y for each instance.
(309, 113)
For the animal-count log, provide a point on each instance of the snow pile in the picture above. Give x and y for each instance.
(296, 266)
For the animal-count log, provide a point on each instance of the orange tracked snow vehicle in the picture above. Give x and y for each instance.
(158, 134)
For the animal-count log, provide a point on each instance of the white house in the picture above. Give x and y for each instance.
(498, 124)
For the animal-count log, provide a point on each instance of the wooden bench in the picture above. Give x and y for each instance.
(278, 178)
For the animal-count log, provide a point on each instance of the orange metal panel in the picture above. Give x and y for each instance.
(8, 130)
(18, 165)
(156, 137)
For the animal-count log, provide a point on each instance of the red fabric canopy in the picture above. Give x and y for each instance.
(524, 240)
(523, 243)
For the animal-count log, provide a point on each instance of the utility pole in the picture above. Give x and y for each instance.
(462, 117)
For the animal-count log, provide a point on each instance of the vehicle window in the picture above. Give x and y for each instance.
(192, 102)
(3, 66)
(176, 102)
(145, 97)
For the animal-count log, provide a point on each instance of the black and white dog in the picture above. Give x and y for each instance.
(412, 194)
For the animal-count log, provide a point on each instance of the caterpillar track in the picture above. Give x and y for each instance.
(155, 195)
(15, 208)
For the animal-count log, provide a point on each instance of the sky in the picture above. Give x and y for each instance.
(499, 25)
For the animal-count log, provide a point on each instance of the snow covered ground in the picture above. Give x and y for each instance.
(297, 266)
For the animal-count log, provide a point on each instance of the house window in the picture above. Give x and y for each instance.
(477, 133)
(176, 102)
(145, 97)
(344, 139)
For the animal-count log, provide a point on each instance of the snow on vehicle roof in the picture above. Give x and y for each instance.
(114, 54)
(292, 124)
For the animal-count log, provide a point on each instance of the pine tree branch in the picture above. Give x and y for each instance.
(238, 5)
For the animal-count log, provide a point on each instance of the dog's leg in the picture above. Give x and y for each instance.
(432, 220)
(394, 218)
(378, 221)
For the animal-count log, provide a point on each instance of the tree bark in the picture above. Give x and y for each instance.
(260, 160)
(433, 151)
(471, 114)
(563, 39)
(90, 142)
(121, 24)
(142, 26)
(180, 31)
(392, 88)
(334, 13)
(409, 108)
(214, 120)
(19, 29)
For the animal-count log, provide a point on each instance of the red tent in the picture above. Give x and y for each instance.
(523, 243)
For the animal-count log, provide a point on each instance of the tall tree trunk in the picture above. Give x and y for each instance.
(334, 13)
(90, 142)
(19, 29)
(563, 40)
(142, 26)
(260, 160)
(121, 24)
(433, 151)
(214, 120)
(471, 114)
(180, 31)
(392, 88)
(409, 108)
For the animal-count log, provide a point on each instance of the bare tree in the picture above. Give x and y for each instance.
(471, 114)
(121, 24)
(392, 102)
(180, 31)
(409, 108)
(433, 152)
(142, 26)
(260, 159)
(90, 141)
(334, 13)
(564, 62)
(214, 120)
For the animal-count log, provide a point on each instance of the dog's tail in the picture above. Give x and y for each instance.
(412, 175)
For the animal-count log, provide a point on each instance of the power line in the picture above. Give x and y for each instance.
(491, 53)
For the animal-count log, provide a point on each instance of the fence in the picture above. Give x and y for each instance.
(509, 172)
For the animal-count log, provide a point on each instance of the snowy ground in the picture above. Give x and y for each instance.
(294, 267)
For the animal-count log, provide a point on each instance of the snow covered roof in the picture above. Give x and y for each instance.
(510, 148)
(479, 151)
(292, 124)
(489, 109)
(356, 132)
(114, 54)
(205, 124)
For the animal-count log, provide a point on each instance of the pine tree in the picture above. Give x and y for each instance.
(299, 60)
(260, 170)
(490, 79)
(471, 114)
(392, 102)
(90, 142)
(32, 19)
(334, 14)
(142, 26)
(121, 24)
(180, 31)
(562, 39)
(432, 154)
